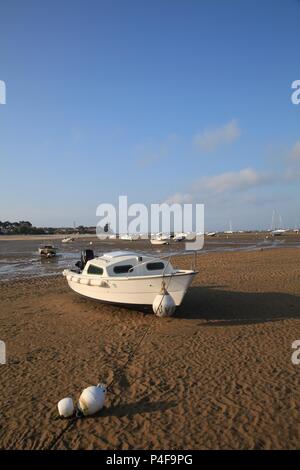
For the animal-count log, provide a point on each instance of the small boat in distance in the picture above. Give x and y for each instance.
(129, 237)
(67, 240)
(47, 251)
(160, 239)
(179, 237)
(128, 278)
(278, 232)
(230, 231)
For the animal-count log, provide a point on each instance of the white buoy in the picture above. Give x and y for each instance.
(66, 407)
(92, 399)
(163, 304)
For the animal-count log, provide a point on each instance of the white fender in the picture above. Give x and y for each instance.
(66, 407)
(164, 305)
(92, 399)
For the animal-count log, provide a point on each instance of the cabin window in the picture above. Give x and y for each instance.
(125, 268)
(92, 269)
(155, 266)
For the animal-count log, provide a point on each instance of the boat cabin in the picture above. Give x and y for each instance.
(126, 264)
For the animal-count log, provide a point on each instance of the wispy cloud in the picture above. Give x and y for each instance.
(150, 152)
(228, 182)
(232, 181)
(292, 160)
(180, 198)
(292, 174)
(151, 156)
(210, 139)
(295, 152)
(153, 151)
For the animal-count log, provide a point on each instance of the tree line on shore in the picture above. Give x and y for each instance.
(24, 227)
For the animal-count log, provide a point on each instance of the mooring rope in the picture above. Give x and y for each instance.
(78, 416)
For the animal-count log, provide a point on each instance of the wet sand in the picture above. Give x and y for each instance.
(217, 375)
(19, 257)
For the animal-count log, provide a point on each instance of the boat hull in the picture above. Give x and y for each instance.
(47, 253)
(136, 290)
(159, 242)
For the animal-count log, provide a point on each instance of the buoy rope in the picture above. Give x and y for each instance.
(60, 435)
(131, 355)
(129, 359)
(163, 284)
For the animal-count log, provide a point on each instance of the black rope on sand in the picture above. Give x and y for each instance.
(78, 413)
(131, 355)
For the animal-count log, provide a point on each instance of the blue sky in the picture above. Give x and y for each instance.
(162, 100)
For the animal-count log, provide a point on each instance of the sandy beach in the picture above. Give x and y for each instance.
(217, 375)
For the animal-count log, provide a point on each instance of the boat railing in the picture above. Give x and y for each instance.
(168, 257)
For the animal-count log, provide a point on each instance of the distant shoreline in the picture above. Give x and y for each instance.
(90, 236)
(56, 236)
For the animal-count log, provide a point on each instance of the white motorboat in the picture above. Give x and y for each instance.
(179, 237)
(129, 237)
(67, 240)
(276, 217)
(230, 231)
(47, 251)
(278, 232)
(160, 239)
(128, 278)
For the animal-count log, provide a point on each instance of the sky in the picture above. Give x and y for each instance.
(162, 100)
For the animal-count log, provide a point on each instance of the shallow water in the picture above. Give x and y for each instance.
(20, 258)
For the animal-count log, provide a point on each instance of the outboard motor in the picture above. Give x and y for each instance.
(86, 256)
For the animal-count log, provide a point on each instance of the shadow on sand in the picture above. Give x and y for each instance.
(220, 307)
(131, 409)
